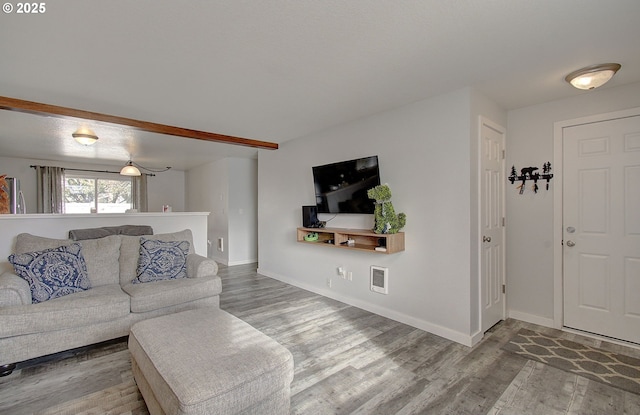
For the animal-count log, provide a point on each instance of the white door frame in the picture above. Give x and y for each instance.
(558, 290)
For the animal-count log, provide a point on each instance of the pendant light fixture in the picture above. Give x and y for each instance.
(592, 76)
(131, 169)
(85, 136)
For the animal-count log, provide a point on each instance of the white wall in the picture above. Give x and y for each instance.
(228, 188)
(208, 190)
(243, 211)
(424, 151)
(530, 225)
(166, 188)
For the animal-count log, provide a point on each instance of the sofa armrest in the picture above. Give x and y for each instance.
(14, 290)
(199, 266)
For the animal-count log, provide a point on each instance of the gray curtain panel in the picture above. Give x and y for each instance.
(139, 192)
(50, 189)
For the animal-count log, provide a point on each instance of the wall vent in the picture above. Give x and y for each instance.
(379, 279)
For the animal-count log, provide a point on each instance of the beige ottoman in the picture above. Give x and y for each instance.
(207, 361)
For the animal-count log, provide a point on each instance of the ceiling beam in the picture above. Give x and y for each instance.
(30, 107)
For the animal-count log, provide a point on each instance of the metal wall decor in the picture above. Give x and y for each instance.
(531, 173)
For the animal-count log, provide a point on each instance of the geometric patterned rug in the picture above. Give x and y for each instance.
(600, 365)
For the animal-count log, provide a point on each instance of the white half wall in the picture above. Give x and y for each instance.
(58, 227)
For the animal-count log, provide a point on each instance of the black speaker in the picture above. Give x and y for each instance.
(309, 216)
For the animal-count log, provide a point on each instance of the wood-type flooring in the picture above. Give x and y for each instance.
(347, 361)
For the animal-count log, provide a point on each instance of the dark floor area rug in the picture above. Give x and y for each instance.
(600, 365)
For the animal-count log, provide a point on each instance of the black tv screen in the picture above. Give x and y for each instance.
(342, 187)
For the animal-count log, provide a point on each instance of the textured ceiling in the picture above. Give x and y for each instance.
(275, 70)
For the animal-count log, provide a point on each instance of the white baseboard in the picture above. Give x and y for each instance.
(242, 262)
(475, 338)
(531, 318)
(438, 330)
(222, 261)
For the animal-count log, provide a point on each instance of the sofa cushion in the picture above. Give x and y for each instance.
(160, 294)
(161, 260)
(130, 251)
(52, 273)
(101, 304)
(101, 255)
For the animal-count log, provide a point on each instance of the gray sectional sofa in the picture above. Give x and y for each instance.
(105, 311)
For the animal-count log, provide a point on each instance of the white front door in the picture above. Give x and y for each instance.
(491, 223)
(601, 227)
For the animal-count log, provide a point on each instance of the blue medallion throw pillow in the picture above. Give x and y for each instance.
(161, 260)
(52, 273)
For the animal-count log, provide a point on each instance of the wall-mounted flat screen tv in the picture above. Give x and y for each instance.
(342, 187)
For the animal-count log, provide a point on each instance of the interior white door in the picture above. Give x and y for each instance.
(601, 228)
(492, 179)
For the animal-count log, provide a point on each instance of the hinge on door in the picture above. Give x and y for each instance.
(503, 220)
(504, 289)
(503, 154)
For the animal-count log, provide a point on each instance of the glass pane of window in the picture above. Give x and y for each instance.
(114, 196)
(79, 194)
(106, 195)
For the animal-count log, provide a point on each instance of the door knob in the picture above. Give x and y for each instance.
(571, 244)
(486, 239)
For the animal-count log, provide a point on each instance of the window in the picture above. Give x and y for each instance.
(103, 192)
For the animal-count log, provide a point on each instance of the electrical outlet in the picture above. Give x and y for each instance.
(350, 276)
(221, 244)
(329, 282)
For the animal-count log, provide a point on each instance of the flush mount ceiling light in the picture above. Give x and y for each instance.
(85, 136)
(592, 76)
(131, 169)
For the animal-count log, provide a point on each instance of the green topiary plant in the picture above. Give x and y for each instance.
(386, 220)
